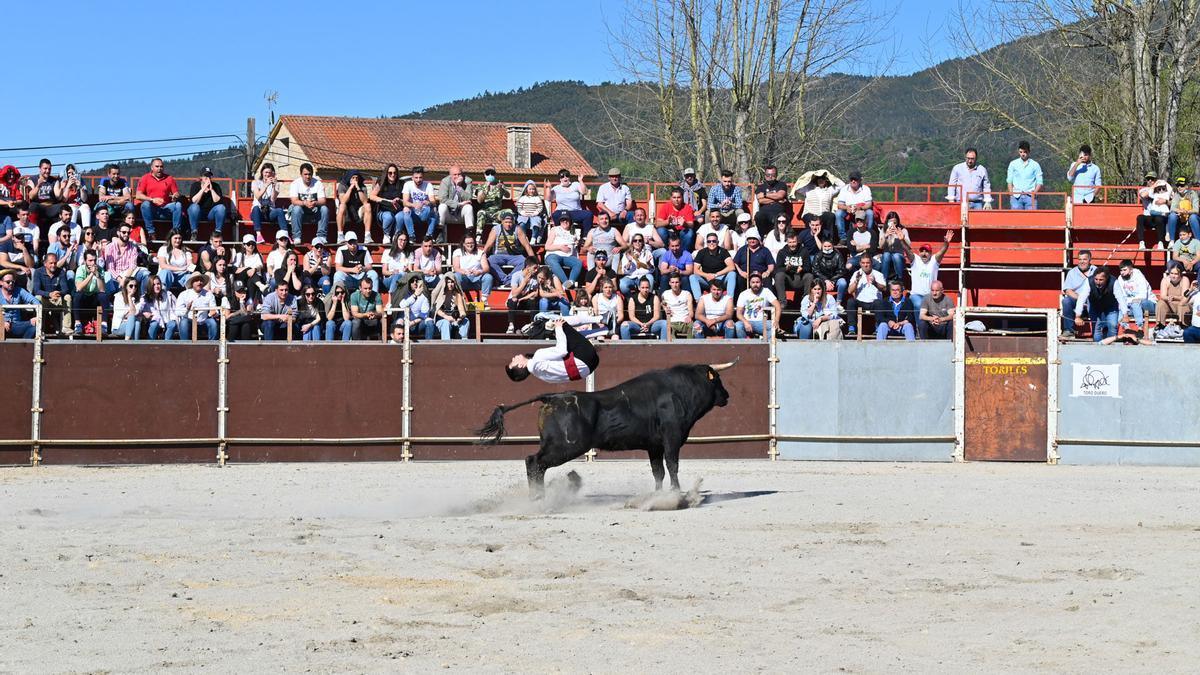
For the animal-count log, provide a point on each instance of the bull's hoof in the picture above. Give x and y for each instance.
(574, 482)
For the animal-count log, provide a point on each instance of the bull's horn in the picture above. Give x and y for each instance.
(724, 366)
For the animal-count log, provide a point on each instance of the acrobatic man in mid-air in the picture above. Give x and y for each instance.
(571, 358)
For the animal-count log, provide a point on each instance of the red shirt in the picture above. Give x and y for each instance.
(157, 188)
(677, 218)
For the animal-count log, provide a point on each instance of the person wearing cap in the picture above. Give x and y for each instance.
(420, 205)
(353, 263)
(283, 244)
(562, 246)
(614, 198)
(676, 217)
(196, 308)
(15, 325)
(752, 258)
(772, 195)
(248, 264)
(263, 192)
(507, 246)
(598, 273)
(854, 198)
(969, 180)
(1024, 180)
(1156, 206)
(895, 315)
(471, 269)
(742, 228)
(242, 317)
(1084, 176)
(317, 270)
(308, 202)
(751, 306)
(726, 198)
(113, 193)
(567, 197)
(350, 193)
(924, 268)
(277, 312)
(454, 199)
(694, 192)
(862, 242)
(206, 204)
(1183, 207)
(490, 196)
(158, 197)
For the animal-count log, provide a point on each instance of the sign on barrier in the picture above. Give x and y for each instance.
(1096, 380)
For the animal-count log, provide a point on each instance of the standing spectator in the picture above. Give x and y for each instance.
(197, 308)
(679, 307)
(818, 199)
(1173, 297)
(52, 286)
(567, 198)
(864, 290)
(508, 247)
(387, 199)
(1075, 289)
(289, 274)
(175, 262)
(353, 204)
(854, 199)
(607, 305)
(712, 263)
(471, 269)
(310, 315)
(924, 269)
(278, 313)
(428, 261)
(1084, 176)
(158, 196)
(531, 211)
(895, 315)
(419, 206)
(454, 199)
(450, 309)
(207, 203)
(641, 226)
(936, 314)
(1024, 180)
(1103, 309)
(1183, 206)
(614, 198)
(603, 237)
(125, 311)
(490, 197)
(338, 320)
(354, 264)
(645, 314)
(215, 248)
(1156, 200)
(317, 266)
(89, 292)
(307, 196)
(11, 294)
(791, 270)
(158, 313)
(819, 316)
(1135, 298)
(726, 199)
(772, 200)
(863, 241)
(248, 264)
(776, 239)
(264, 192)
(894, 247)
(397, 262)
(753, 258)
(694, 193)
(969, 180)
(417, 304)
(636, 263)
(561, 245)
(829, 269)
(114, 194)
(121, 261)
(366, 310)
(676, 263)
(714, 313)
(241, 314)
(714, 226)
(45, 200)
(751, 306)
(75, 196)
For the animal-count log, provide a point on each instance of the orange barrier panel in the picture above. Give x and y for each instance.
(1105, 216)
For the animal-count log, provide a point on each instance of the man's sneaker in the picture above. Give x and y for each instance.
(510, 330)
(341, 237)
(851, 331)
(367, 237)
(387, 240)
(1141, 246)
(1069, 334)
(568, 284)
(259, 238)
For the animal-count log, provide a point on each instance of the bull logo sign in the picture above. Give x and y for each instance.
(1096, 380)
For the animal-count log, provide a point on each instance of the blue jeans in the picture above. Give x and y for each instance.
(168, 331)
(532, 225)
(1104, 324)
(390, 281)
(1025, 202)
(658, 328)
(497, 260)
(208, 323)
(129, 328)
(699, 285)
(21, 329)
(342, 278)
(545, 304)
(475, 282)
(882, 331)
(215, 214)
(463, 327)
(1173, 225)
(111, 287)
(272, 326)
(845, 221)
(629, 285)
(917, 301)
(169, 278)
(581, 217)
(1191, 334)
(312, 334)
(558, 262)
(276, 214)
(298, 215)
(803, 329)
(892, 265)
(170, 210)
(390, 222)
(841, 285)
(420, 328)
(1068, 313)
(426, 215)
(1139, 311)
(687, 237)
(724, 329)
(333, 327)
(756, 327)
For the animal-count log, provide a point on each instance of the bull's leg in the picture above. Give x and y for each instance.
(536, 474)
(656, 467)
(672, 457)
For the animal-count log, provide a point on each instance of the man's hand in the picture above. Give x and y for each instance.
(1079, 322)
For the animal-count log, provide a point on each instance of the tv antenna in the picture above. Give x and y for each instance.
(272, 97)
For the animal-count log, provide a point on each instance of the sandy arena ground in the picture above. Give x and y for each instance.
(787, 567)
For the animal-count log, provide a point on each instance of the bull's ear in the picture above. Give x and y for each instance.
(711, 374)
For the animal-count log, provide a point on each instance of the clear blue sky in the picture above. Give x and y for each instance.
(208, 66)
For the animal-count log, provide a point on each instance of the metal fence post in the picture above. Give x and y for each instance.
(1053, 325)
(222, 392)
(772, 395)
(960, 380)
(35, 408)
(406, 394)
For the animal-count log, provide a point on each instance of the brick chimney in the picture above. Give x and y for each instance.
(519, 146)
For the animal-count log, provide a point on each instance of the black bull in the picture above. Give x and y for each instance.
(654, 411)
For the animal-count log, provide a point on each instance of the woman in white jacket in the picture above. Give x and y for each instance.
(125, 314)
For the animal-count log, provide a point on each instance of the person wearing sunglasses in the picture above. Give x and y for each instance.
(15, 325)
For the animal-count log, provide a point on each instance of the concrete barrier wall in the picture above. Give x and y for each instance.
(866, 389)
(1159, 401)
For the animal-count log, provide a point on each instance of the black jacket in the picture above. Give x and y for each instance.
(884, 313)
(829, 266)
(1101, 299)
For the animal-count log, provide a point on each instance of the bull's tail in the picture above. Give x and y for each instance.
(493, 430)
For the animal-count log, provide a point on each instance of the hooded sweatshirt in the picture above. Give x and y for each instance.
(1133, 289)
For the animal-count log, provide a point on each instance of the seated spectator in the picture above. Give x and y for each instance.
(894, 247)
(289, 273)
(242, 313)
(645, 314)
(1075, 289)
(490, 196)
(567, 198)
(562, 244)
(197, 309)
(121, 262)
(264, 192)
(103, 230)
(863, 292)
(207, 203)
(125, 311)
(677, 262)
(1186, 249)
(716, 227)
(531, 212)
(1156, 206)
(428, 261)
(75, 196)
(830, 270)
(366, 310)
(853, 200)
(924, 269)
(607, 306)
(751, 308)
(19, 260)
(175, 262)
(603, 237)
(248, 265)
(471, 270)
(593, 327)
(791, 270)
(726, 199)
(278, 314)
(215, 248)
(338, 320)
(777, 237)
(454, 199)
(89, 293)
(863, 242)
(614, 198)
(72, 256)
(64, 223)
(525, 294)
(310, 315)
(772, 200)
(308, 202)
(317, 266)
(551, 294)
(740, 233)
(420, 209)
(508, 246)
(418, 320)
(158, 195)
(450, 308)
(27, 231)
(820, 316)
(353, 205)
(636, 263)
(600, 272)
(712, 263)
(676, 217)
(1183, 207)
(397, 261)
(52, 286)
(1103, 309)
(819, 198)
(936, 314)
(219, 281)
(1135, 298)
(1173, 296)
(157, 312)
(354, 265)
(15, 323)
(387, 200)
(61, 246)
(714, 313)
(895, 315)
(137, 233)
(46, 194)
(1191, 334)
(10, 195)
(754, 258)
(642, 227)
(114, 195)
